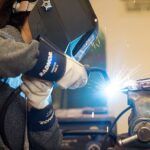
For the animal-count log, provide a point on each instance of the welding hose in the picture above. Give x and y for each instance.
(110, 132)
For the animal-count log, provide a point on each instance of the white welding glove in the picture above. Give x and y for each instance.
(75, 75)
(37, 91)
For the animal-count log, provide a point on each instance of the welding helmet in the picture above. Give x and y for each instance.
(71, 25)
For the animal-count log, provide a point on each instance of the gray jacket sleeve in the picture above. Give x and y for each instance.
(46, 140)
(43, 129)
(17, 57)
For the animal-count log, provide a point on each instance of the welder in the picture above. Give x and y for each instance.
(26, 49)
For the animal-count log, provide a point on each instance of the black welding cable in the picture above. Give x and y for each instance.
(104, 145)
(3, 112)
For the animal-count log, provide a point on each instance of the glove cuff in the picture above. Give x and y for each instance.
(40, 119)
(51, 64)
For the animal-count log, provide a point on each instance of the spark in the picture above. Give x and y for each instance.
(123, 78)
(120, 81)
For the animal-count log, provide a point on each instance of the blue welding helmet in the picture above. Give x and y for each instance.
(69, 24)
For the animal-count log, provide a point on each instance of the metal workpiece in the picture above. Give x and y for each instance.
(142, 84)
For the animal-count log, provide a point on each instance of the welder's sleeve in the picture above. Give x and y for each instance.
(44, 133)
(43, 128)
(17, 57)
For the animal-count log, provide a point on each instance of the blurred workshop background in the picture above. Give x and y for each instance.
(123, 47)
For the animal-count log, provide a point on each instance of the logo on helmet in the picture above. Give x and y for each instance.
(47, 4)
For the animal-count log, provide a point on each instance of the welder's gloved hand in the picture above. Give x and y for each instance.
(38, 92)
(52, 65)
(75, 75)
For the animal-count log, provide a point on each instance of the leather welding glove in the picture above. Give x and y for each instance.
(53, 65)
(75, 75)
(38, 92)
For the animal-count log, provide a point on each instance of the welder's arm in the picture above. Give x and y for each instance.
(52, 65)
(49, 139)
(17, 57)
(43, 128)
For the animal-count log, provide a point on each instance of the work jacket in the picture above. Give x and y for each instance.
(20, 125)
